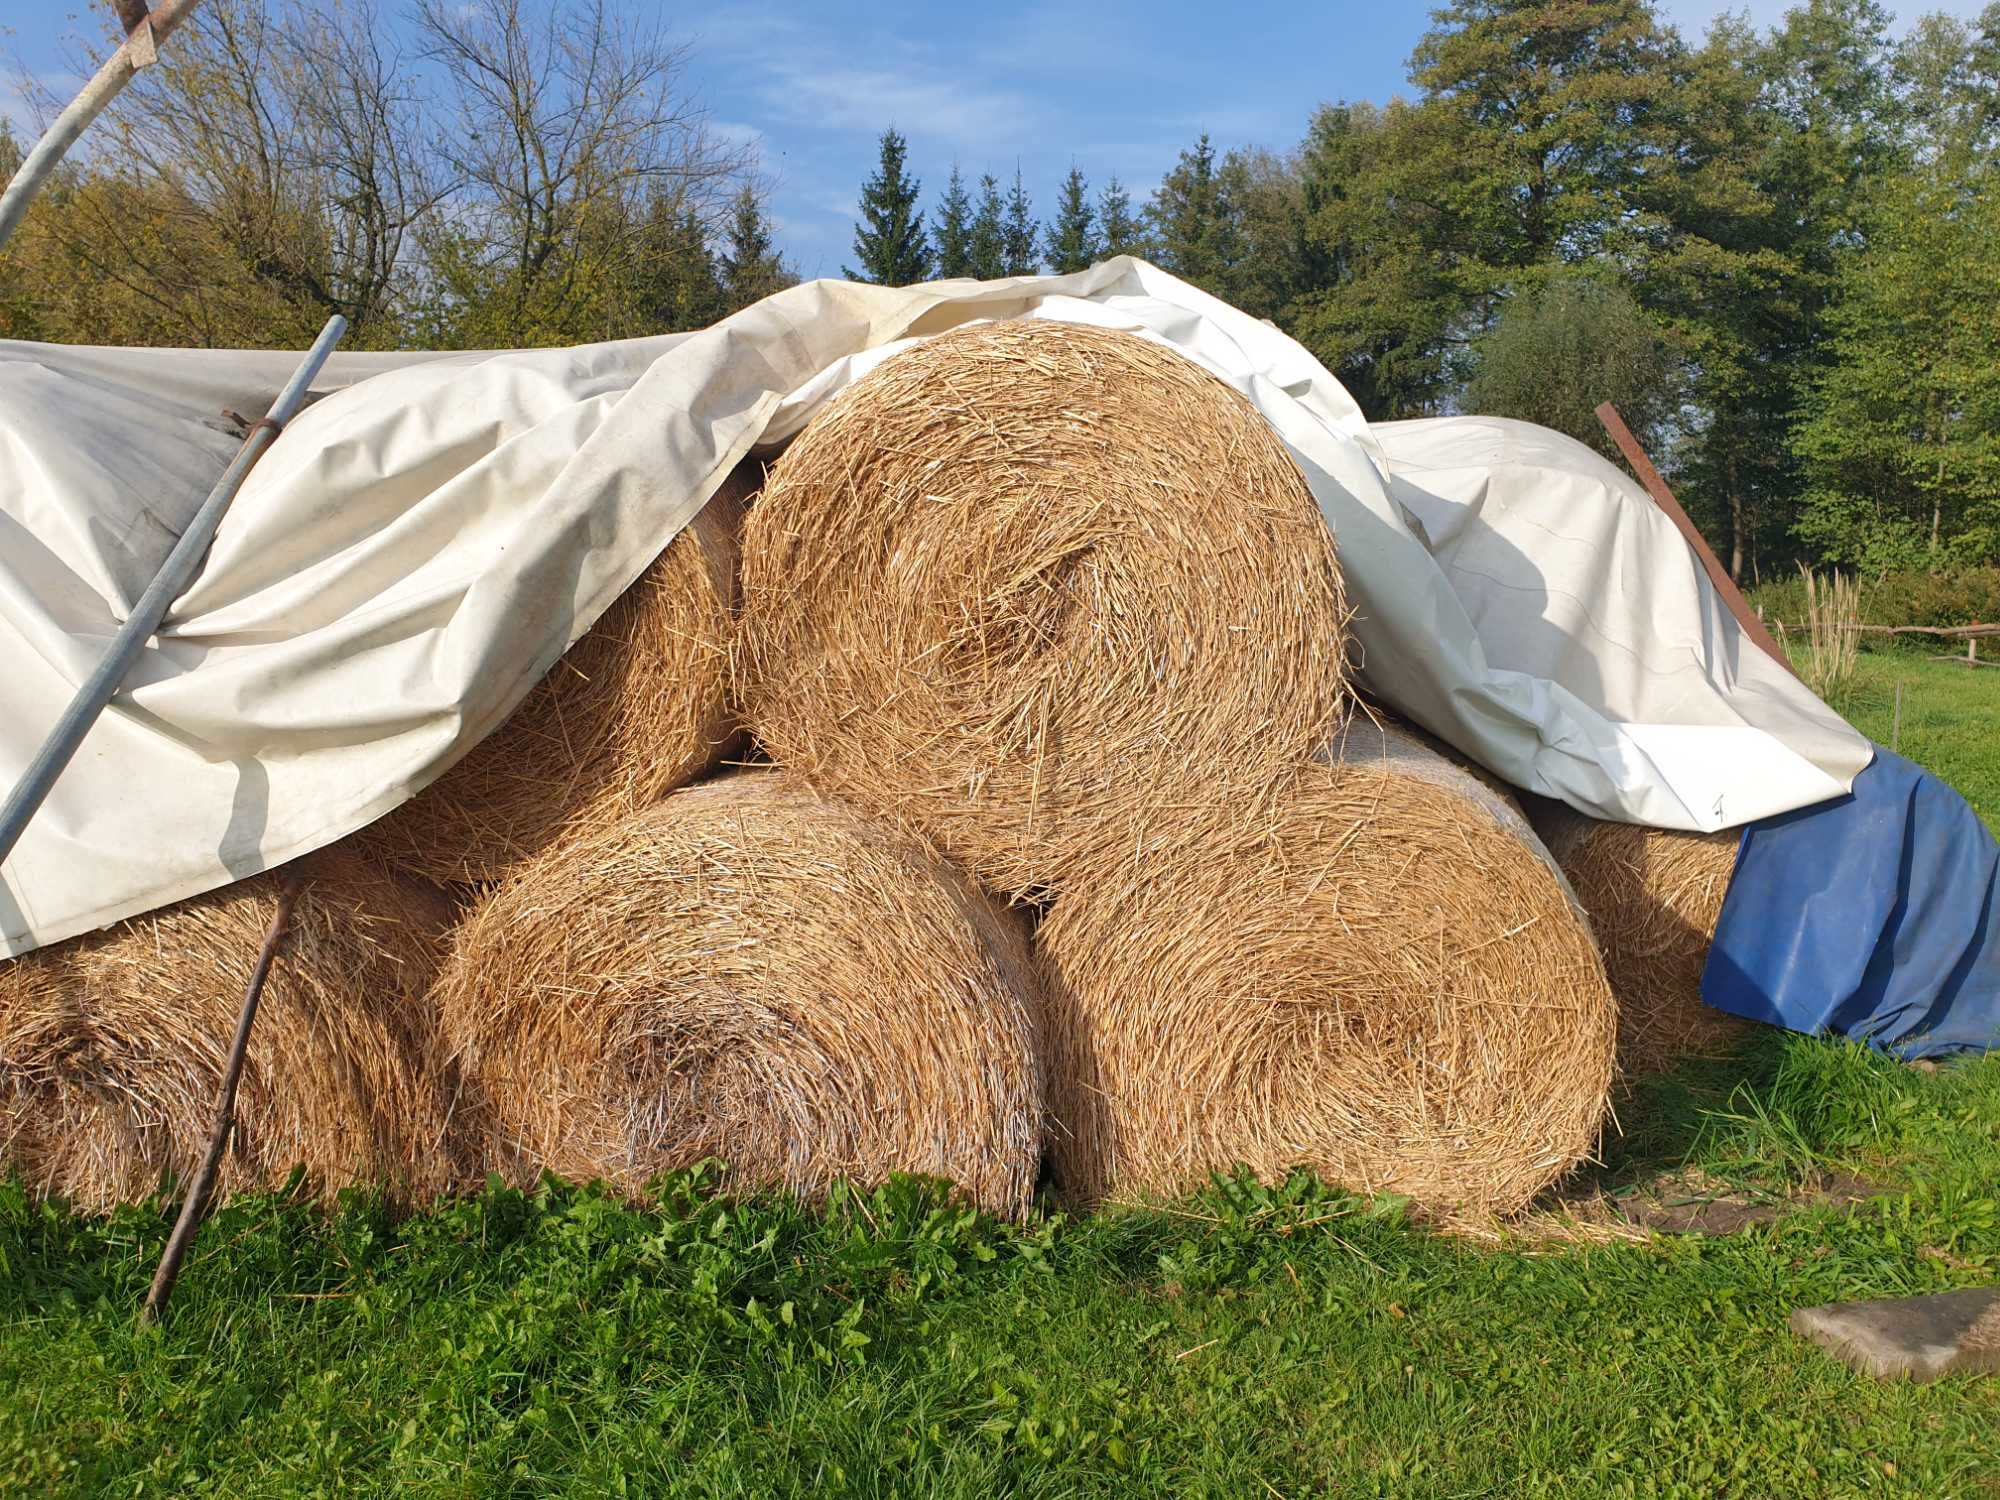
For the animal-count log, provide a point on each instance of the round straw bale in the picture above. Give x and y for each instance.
(1371, 972)
(1654, 896)
(112, 1046)
(637, 706)
(750, 973)
(1026, 582)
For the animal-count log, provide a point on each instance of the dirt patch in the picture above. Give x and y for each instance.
(1694, 1203)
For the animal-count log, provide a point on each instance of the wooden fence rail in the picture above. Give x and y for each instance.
(1950, 632)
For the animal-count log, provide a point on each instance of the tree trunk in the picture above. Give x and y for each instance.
(1736, 526)
(1937, 507)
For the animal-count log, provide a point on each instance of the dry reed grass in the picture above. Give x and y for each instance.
(1369, 972)
(1026, 584)
(636, 707)
(112, 1045)
(1833, 621)
(750, 973)
(1654, 896)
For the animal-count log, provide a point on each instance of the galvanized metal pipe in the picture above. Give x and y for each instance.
(175, 574)
(134, 53)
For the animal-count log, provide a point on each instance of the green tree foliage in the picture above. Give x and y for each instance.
(1121, 231)
(676, 281)
(749, 267)
(890, 241)
(577, 156)
(1264, 196)
(19, 317)
(1565, 343)
(1020, 234)
(1193, 220)
(951, 228)
(987, 248)
(1072, 236)
(1900, 438)
(1373, 302)
(1809, 114)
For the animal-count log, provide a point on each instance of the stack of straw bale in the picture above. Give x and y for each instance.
(1373, 971)
(1029, 587)
(112, 1046)
(1032, 613)
(1654, 896)
(635, 708)
(748, 972)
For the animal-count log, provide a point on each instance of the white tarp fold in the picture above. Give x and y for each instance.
(425, 541)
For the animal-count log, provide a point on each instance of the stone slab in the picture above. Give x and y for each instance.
(1910, 1338)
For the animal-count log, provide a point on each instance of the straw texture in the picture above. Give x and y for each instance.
(1366, 973)
(1654, 896)
(635, 708)
(112, 1045)
(1027, 583)
(750, 973)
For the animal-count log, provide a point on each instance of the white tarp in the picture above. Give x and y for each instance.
(1580, 590)
(424, 542)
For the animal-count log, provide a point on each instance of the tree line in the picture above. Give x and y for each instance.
(1777, 251)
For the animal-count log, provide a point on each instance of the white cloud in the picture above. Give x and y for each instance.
(745, 138)
(821, 80)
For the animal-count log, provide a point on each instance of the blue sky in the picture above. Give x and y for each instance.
(810, 86)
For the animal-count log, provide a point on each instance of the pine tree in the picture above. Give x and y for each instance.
(951, 229)
(1194, 222)
(1072, 238)
(890, 243)
(988, 246)
(673, 277)
(1020, 232)
(1118, 227)
(749, 266)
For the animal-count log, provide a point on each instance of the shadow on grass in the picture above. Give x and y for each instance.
(1664, 1122)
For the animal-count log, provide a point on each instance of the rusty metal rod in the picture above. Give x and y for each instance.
(194, 1207)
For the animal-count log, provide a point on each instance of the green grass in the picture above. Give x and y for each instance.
(1951, 718)
(1247, 1342)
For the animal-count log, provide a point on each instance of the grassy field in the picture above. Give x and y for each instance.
(1951, 718)
(1245, 1342)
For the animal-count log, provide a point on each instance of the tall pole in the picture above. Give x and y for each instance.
(138, 50)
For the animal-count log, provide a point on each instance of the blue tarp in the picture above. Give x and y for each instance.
(1875, 916)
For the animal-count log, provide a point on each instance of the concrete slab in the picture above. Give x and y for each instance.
(1910, 1338)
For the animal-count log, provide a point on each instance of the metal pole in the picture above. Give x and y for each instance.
(137, 51)
(175, 574)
